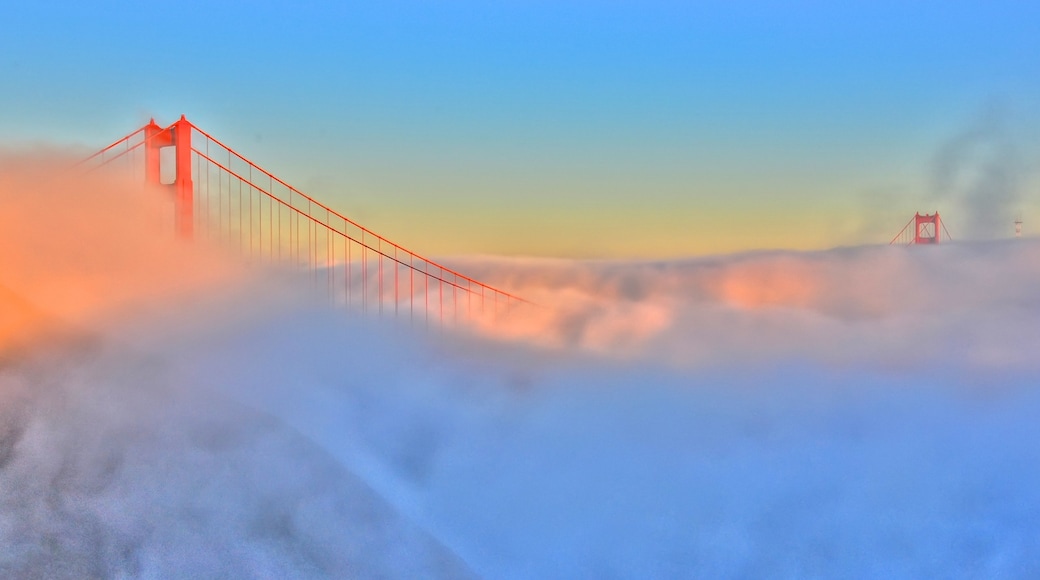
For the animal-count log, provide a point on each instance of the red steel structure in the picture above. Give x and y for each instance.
(922, 229)
(178, 136)
(221, 195)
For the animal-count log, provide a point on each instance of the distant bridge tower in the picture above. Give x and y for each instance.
(178, 136)
(922, 229)
(926, 228)
(1018, 226)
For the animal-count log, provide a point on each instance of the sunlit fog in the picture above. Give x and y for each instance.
(167, 410)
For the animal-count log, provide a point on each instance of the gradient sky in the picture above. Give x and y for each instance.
(569, 128)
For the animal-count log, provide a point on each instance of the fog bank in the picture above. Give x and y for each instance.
(858, 412)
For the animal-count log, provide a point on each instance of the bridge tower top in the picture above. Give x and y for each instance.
(924, 229)
(178, 136)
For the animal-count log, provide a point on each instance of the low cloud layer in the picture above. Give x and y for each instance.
(79, 250)
(856, 412)
(875, 306)
(114, 460)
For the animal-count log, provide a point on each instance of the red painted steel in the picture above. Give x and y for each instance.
(926, 228)
(922, 229)
(155, 139)
(183, 185)
(221, 195)
(178, 136)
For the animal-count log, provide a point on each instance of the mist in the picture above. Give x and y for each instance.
(981, 172)
(865, 411)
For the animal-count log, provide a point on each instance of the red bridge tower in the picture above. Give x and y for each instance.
(922, 229)
(178, 136)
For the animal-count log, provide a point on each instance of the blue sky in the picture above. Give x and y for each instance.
(562, 128)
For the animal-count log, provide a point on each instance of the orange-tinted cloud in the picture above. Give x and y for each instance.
(78, 249)
(895, 305)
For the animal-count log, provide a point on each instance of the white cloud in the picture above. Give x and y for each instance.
(861, 411)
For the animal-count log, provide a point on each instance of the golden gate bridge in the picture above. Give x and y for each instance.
(922, 229)
(221, 195)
